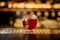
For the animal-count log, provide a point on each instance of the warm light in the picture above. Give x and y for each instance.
(49, 23)
(32, 13)
(56, 6)
(46, 13)
(2, 3)
(20, 5)
(11, 22)
(17, 12)
(9, 5)
(39, 6)
(18, 23)
(53, 14)
(15, 5)
(35, 6)
(58, 18)
(58, 13)
(43, 6)
(46, 6)
(38, 13)
(28, 5)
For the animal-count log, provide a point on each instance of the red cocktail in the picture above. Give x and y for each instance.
(31, 23)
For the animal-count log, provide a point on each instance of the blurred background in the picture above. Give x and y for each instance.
(47, 11)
